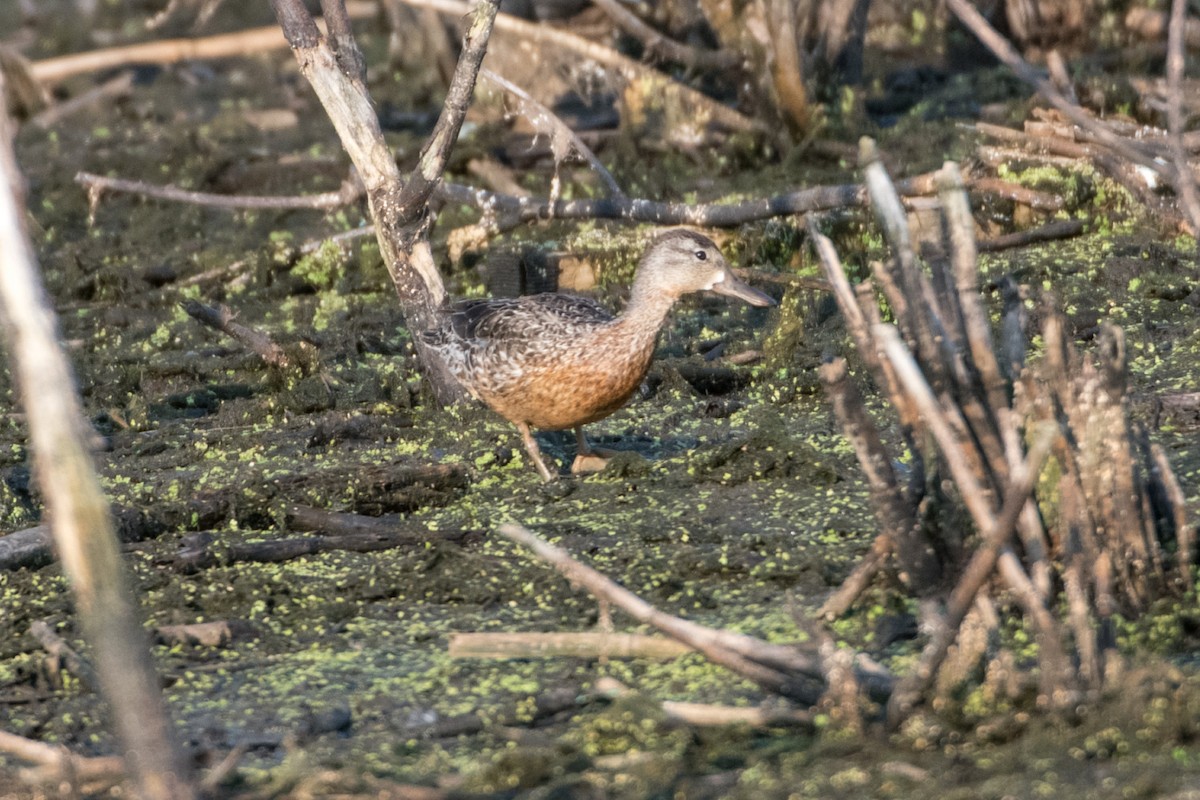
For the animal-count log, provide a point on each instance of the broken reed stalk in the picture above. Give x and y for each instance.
(79, 515)
(1116, 501)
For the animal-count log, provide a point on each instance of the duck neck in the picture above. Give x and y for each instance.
(647, 311)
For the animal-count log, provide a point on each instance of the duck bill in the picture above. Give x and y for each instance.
(732, 287)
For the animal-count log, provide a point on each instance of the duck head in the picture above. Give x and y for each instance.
(679, 262)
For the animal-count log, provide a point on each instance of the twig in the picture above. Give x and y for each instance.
(1185, 534)
(919, 568)
(221, 318)
(588, 644)
(57, 647)
(542, 117)
(665, 47)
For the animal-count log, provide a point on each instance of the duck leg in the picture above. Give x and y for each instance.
(535, 452)
(588, 458)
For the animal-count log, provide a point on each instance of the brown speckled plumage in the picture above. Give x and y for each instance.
(558, 361)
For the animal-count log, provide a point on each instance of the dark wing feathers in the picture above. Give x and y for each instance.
(522, 317)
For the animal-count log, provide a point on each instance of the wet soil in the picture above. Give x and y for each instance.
(734, 503)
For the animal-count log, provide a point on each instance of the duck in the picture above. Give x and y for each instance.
(554, 361)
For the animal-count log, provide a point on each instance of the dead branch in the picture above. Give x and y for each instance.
(202, 551)
(399, 206)
(120, 86)
(81, 520)
(220, 317)
(599, 644)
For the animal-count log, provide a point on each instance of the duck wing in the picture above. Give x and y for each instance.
(525, 318)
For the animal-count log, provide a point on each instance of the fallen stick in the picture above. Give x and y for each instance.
(1050, 232)
(202, 551)
(587, 644)
(71, 661)
(541, 117)
(221, 318)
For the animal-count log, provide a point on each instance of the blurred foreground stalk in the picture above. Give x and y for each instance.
(77, 509)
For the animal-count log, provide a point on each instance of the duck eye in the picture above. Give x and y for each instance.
(701, 255)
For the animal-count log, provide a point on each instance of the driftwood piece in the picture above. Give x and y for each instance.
(588, 644)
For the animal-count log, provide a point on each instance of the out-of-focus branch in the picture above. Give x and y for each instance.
(81, 521)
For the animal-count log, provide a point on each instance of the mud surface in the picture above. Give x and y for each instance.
(734, 502)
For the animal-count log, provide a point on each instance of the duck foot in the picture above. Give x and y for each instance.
(594, 461)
